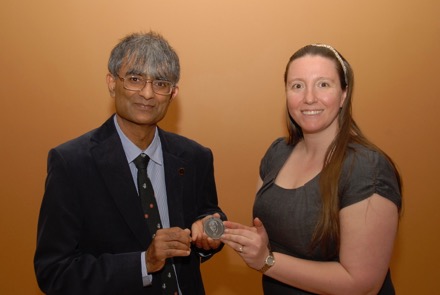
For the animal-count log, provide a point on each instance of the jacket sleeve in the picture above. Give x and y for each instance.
(209, 199)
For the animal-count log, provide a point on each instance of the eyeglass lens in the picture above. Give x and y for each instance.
(137, 83)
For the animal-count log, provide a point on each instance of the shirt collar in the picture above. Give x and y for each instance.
(154, 150)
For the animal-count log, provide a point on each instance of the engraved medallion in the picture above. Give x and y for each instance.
(214, 227)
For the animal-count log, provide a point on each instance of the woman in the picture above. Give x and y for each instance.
(327, 209)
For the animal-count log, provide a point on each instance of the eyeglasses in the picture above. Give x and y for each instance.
(138, 82)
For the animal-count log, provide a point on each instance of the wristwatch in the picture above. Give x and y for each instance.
(268, 263)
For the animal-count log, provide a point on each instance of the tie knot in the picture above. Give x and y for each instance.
(141, 161)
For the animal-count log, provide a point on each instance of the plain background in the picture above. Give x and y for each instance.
(53, 58)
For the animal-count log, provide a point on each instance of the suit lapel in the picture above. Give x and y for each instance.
(113, 167)
(175, 167)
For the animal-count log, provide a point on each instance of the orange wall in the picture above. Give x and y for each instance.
(53, 57)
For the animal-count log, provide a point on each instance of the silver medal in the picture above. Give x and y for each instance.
(214, 227)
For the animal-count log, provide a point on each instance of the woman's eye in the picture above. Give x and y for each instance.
(295, 86)
(323, 84)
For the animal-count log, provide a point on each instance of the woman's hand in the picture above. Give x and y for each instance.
(250, 242)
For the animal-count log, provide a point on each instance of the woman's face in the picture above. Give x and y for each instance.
(314, 94)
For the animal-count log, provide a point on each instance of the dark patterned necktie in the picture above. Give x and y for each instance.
(152, 218)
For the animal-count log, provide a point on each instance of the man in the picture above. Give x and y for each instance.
(94, 235)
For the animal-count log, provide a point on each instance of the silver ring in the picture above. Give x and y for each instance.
(240, 249)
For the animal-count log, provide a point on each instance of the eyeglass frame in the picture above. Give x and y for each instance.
(145, 84)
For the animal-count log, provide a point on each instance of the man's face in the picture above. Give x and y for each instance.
(138, 108)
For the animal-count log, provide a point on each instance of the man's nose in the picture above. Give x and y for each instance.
(147, 92)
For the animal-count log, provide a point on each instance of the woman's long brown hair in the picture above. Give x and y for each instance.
(327, 231)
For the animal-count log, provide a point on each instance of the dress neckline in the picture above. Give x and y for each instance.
(307, 183)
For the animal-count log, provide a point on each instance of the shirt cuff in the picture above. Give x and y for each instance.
(146, 278)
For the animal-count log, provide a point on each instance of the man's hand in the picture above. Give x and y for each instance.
(168, 242)
(199, 238)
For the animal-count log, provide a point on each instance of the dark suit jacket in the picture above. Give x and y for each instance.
(91, 229)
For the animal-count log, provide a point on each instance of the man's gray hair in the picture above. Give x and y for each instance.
(146, 54)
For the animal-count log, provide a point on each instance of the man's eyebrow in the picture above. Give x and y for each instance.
(134, 72)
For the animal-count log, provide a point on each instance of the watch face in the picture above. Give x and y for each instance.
(270, 260)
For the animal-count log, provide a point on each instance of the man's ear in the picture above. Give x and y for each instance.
(174, 93)
(111, 83)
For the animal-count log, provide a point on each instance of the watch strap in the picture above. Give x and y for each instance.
(267, 265)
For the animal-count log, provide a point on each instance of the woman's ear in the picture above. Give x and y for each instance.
(344, 96)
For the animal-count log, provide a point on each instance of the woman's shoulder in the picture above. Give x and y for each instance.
(366, 171)
(275, 156)
(279, 147)
(360, 156)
